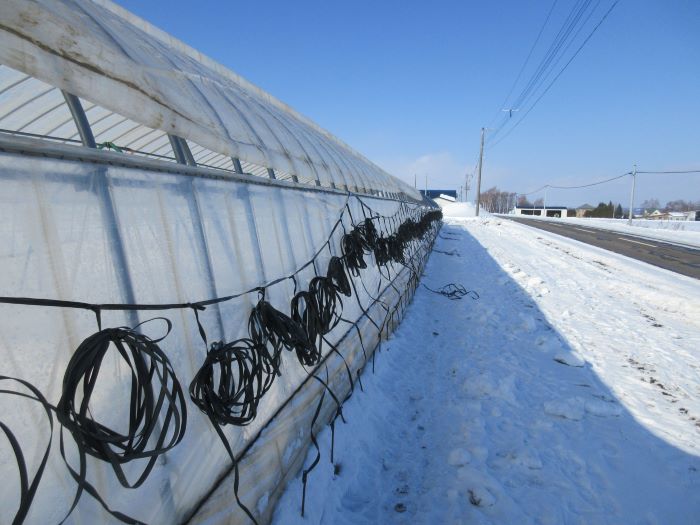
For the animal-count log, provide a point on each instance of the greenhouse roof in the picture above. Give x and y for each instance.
(138, 85)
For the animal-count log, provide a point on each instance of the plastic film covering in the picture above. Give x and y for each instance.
(109, 57)
(108, 234)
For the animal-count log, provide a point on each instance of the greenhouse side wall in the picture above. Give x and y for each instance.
(103, 234)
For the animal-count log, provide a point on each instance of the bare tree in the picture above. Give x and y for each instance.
(523, 202)
(681, 205)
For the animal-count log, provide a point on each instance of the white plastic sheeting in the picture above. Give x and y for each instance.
(80, 224)
(109, 57)
(99, 234)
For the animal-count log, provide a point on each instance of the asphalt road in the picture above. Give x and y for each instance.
(677, 258)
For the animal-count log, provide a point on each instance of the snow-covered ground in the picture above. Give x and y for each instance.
(683, 232)
(568, 393)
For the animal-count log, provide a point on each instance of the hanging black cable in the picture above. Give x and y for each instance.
(228, 388)
(353, 252)
(27, 488)
(336, 273)
(231, 382)
(304, 312)
(271, 329)
(235, 376)
(155, 394)
(454, 291)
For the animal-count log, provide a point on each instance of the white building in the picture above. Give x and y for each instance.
(542, 211)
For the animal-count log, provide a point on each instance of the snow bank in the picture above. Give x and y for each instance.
(459, 209)
(683, 232)
(580, 405)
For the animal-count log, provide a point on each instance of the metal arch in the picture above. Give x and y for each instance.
(250, 109)
(323, 158)
(80, 119)
(280, 118)
(237, 168)
(246, 104)
(182, 152)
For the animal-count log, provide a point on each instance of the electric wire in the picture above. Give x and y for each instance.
(561, 71)
(234, 376)
(597, 183)
(527, 60)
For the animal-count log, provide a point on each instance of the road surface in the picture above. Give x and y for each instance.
(670, 256)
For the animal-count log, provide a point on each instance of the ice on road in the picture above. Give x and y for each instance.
(568, 393)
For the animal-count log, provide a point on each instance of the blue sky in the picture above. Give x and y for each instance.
(410, 84)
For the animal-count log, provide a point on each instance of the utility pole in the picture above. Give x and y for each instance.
(426, 184)
(415, 183)
(478, 180)
(467, 183)
(634, 182)
(544, 211)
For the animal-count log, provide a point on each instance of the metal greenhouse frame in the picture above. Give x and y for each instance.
(194, 276)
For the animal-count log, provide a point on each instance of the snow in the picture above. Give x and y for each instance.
(568, 393)
(680, 232)
(458, 209)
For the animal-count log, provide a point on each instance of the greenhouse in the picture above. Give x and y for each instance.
(194, 276)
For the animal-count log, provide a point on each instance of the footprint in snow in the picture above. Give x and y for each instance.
(517, 458)
(576, 407)
(602, 408)
(354, 500)
(459, 457)
(481, 497)
(572, 409)
(569, 359)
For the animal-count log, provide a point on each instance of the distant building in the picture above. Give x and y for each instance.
(441, 197)
(442, 200)
(551, 211)
(671, 216)
(581, 210)
(431, 194)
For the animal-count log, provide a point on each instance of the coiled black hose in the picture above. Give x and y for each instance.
(271, 329)
(352, 246)
(338, 276)
(382, 253)
(397, 247)
(368, 234)
(155, 394)
(228, 388)
(304, 310)
(329, 304)
(231, 382)
(454, 292)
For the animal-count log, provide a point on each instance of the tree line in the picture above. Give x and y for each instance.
(650, 205)
(497, 201)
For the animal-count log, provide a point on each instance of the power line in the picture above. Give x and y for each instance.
(558, 59)
(661, 172)
(597, 183)
(579, 186)
(558, 74)
(527, 59)
(591, 184)
(544, 68)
